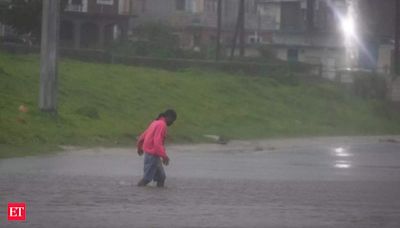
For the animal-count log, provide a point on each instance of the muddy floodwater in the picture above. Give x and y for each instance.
(318, 182)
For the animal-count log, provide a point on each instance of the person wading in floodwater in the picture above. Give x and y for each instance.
(151, 144)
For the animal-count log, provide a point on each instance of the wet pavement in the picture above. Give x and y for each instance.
(313, 183)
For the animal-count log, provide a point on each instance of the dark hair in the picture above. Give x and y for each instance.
(168, 113)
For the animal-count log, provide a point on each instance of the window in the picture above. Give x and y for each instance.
(76, 2)
(293, 55)
(211, 5)
(105, 2)
(262, 8)
(74, 6)
(193, 6)
(250, 7)
(196, 39)
(254, 39)
(180, 5)
(291, 17)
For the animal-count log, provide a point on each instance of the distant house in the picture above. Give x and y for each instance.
(295, 30)
(94, 23)
(377, 20)
(196, 20)
(309, 31)
(323, 43)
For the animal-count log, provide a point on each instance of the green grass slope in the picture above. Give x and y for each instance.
(102, 104)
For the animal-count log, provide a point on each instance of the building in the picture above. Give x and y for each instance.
(377, 23)
(310, 31)
(94, 23)
(195, 21)
(295, 30)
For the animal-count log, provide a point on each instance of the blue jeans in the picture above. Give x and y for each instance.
(153, 168)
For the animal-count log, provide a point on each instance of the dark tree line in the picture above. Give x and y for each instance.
(24, 16)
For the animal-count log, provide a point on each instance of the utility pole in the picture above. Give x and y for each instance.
(239, 28)
(49, 56)
(219, 20)
(396, 58)
(242, 29)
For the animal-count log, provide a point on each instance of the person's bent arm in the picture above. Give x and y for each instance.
(139, 143)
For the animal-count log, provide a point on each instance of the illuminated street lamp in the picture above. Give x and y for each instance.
(349, 28)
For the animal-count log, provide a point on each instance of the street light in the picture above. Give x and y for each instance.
(348, 26)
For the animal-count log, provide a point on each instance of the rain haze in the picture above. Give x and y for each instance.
(200, 113)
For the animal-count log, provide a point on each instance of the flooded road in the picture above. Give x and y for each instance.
(321, 182)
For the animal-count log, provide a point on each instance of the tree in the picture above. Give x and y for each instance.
(219, 22)
(25, 16)
(396, 56)
(239, 30)
(151, 39)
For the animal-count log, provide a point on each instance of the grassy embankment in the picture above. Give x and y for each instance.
(109, 105)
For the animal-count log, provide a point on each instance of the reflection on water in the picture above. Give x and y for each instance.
(343, 164)
(342, 152)
(339, 150)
